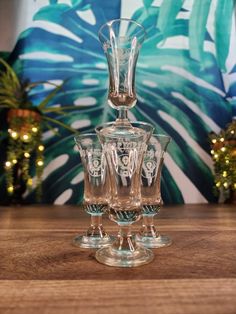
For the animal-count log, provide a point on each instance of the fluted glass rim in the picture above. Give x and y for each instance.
(109, 123)
(84, 135)
(121, 19)
(162, 135)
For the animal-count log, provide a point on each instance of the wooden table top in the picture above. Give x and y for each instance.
(42, 272)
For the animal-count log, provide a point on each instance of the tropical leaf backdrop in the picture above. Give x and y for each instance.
(185, 81)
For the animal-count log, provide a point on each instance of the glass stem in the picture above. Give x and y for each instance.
(148, 228)
(122, 117)
(96, 228)
(124, 241)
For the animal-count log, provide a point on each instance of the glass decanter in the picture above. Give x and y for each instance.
(121, 40)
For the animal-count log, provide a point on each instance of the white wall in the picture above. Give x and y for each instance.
(8, 20)
(15, 16)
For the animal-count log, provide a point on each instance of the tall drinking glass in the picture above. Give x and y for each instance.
(96, 190)
(151, 192)
(121, 40)
(124, 158)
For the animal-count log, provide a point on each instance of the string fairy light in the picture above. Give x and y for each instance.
(14, 134)
(25, 137)
(40, 163)
(8, 164)
(24, 148)
(41, 148)
(27, 155)
(223, 151)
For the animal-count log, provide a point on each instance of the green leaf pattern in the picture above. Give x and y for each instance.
(180, 85)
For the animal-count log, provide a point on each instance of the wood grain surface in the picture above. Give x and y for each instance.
(42, 272)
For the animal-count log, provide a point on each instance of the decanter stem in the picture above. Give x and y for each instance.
(96, 220)
(124, 241)
(96, 228)
(122, 118)
(148, 227)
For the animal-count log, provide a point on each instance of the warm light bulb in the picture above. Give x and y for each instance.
(216, 156)
(212, 151)
(14, 161)
(225, 184)
(235, 185)
(25, 137)
(224, 174)
(227, 161)
(40, 163)
(232, 131)
(223, 149)
(222, 139)
(218, 184)
(214, 141)
(34, 129)
(14, 134)
(27, 155)
(10, 189)
(8, 164)
(30, 181)
(40, 148)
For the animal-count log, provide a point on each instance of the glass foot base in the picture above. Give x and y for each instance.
(90, 242)
(112, 257)
(152, 242)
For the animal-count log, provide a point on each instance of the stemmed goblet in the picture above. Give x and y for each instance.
(151, 192)
(96, 190)
(124, 159)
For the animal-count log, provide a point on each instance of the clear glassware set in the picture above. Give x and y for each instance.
(122, 161)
